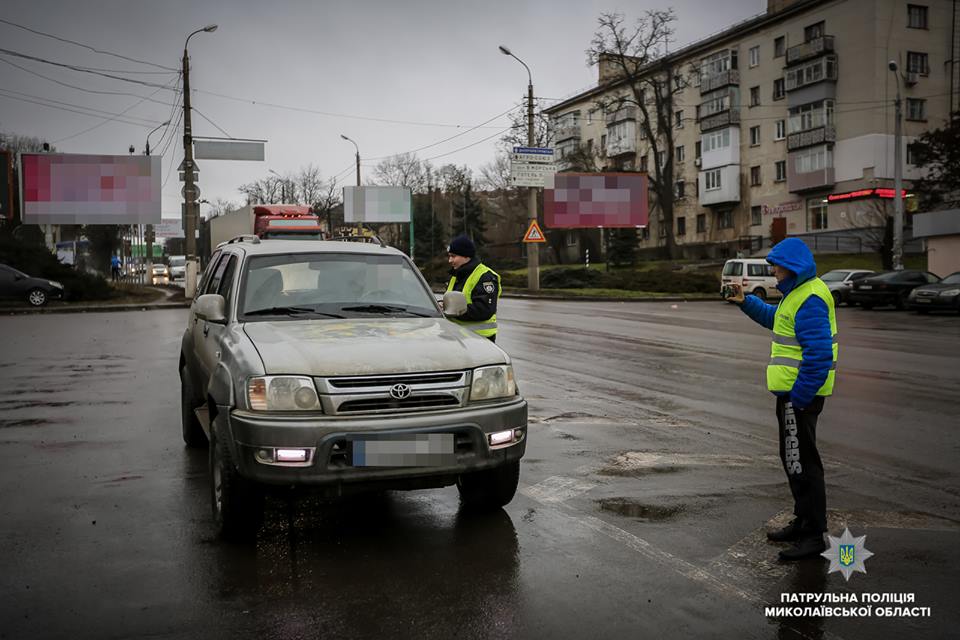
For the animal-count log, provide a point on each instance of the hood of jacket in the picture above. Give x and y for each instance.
(793, 254)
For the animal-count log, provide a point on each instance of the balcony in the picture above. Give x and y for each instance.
(727, 193)
(822, 70)
(621, 146)
(569, 132)
(812, 49)
(811, 137)
(808, 178)
(719, 80)
(718, 120)
(621, 114)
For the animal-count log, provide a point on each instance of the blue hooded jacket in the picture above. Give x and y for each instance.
(812, 324)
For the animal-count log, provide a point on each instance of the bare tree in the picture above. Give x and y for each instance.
(403, 170)
(307, 185)
(636, 58)
(220, 206)
(263, 191)
(16, 143)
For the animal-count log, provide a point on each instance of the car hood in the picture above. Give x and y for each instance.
(937, 286)
(369, 347)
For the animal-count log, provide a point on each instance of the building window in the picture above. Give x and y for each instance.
(911, 154)
(645, 233)
(678, 82)
(755, 176)
(701, 222)
(661, 229)
(918, 63)
(661, 159)
(813, 32)
(643, 162)
(718, 63)
(603, 143)
(715, 140)
(756, 217)
(678, 153)
(780, 47)
(811, 116)
(779, 89)
(814, 159)
(571, 238)
(697, 150)
(725, 219)
(916, 109)
(916, 16)
(780, 167)
(755, 136)
(681, 226)
(754, 96)
(817, 209)
(711, 180)
(681, 187)
(781, 130)
(754, 56)
(678, 119)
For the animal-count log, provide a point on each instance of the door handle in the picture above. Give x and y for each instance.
(206, 329)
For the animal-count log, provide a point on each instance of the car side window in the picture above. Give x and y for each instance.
(214, 284)
(226, 287)
(209, 270)
(931, 278)
(759, 270)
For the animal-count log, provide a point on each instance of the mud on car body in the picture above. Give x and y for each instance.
(329, 365)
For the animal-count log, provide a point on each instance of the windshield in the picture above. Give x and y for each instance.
(834, 276)
(349, 285)
(953, 278)
(178, 261)
(733, 269)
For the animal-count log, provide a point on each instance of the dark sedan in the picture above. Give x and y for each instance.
(891, 287)
(19, 286)
(943, 295)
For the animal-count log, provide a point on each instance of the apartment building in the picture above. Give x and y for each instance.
(785, 122)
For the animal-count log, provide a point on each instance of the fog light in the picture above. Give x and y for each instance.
(501, 437)
(265, 455)
(291, 455)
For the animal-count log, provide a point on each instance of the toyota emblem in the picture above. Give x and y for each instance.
(399, 391)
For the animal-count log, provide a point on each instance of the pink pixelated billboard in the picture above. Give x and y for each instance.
(62, 188)
(577, 200)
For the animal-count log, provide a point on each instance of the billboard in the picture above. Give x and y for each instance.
(215, 149)
(376, 204)
(6, 190)
(62, 188)
(169, 228)
(577, 200)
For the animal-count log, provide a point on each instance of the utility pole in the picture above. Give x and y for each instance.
(897, 176)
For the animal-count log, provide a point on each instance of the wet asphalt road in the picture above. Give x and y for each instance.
(650, 475)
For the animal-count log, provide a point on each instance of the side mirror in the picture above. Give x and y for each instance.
(454, 303)
(211, 307)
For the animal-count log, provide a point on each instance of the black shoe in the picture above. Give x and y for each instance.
(789, 533)
(808, 546)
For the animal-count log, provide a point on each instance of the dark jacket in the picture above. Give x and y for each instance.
(812, 324)
(483, 298)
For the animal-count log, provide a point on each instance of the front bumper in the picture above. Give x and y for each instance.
(875, 298)
(941, 303)
(331, 439)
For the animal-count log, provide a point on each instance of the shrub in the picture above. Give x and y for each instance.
(35, 260)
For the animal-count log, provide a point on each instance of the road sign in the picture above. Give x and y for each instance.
(185, 164)
(530, 174)
(534, 233)
(183, 175)
(532, 154)
(196, 192)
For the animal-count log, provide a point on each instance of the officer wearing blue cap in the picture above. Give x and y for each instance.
(480, 286)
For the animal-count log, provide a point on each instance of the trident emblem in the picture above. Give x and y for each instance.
(847, 555)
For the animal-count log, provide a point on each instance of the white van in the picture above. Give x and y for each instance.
(755, 275)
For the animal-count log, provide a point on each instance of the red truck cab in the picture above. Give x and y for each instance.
(286, 221)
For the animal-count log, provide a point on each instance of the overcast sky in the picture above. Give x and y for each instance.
(433, 62)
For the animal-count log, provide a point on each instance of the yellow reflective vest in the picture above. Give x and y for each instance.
(785, 352)
(485, 328)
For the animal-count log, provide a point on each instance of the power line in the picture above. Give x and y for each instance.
(117, 117)
(105, 121)
(197, 111)
(498, 133)
(80, 69)
(86, 46)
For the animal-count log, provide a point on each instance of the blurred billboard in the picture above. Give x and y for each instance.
(6, 186)
(578, 200)
(376, 204)
(62, 188)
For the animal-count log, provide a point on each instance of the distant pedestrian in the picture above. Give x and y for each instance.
(480, 285)
(114, 268)
(801, 371)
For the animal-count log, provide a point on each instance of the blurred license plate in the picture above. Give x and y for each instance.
(417, 450)
(866, 286)
(924, 300)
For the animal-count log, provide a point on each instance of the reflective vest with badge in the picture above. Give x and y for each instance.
(485, 328)
(785, 352)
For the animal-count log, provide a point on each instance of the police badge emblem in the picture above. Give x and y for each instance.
(488, 287)
(847, 554)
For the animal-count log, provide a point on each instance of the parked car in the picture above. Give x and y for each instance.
(943, 295)
(840, 282)
(17, 285)
(890, 287)
(329, 365)
(159, 273)
(755, 275)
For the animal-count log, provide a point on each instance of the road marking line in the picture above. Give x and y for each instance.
(557, 489)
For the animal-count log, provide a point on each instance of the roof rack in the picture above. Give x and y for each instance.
(359, 239)
(247, 237)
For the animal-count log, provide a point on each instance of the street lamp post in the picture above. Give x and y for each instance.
(357, 147)
(897, 176)
(148, 239)
(533, 255)
(189, 188)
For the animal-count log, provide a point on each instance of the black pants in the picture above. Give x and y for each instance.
(801, 462)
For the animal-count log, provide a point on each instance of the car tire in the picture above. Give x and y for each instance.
(489, 489)
(37, 297)
(761, 293)
(900, 302)
(193, 435)
(236, 503)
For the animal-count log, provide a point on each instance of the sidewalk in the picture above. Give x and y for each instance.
(99, 306)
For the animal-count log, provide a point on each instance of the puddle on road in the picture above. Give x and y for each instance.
(637, 463)
(632, 509)
(12, 405)
(576, 417)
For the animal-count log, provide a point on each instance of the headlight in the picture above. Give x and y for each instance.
(55, 284)
(493, 382)
(950, 293)
(282, 393)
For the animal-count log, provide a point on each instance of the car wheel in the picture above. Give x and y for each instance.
(37, 297)
(237, 504)
(760, 292)
(193, 435)
(900, 302)
(491, 488)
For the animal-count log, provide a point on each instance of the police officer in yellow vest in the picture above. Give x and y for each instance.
(480, 285)
(803, 359)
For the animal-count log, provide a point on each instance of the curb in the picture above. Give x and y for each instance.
(94, 309)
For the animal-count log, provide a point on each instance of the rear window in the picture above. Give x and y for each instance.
(953, 278)
(733, 269)
(759, 270)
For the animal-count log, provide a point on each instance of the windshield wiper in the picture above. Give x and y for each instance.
(289, 311)
(384, 308)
